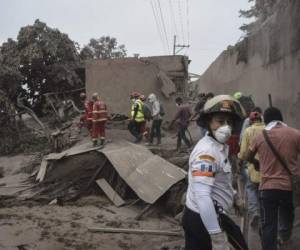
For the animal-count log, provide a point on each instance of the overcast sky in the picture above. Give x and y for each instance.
(213, 24)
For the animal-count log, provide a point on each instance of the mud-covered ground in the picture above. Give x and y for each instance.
(33, 226)
(30, 225)
(55, 227)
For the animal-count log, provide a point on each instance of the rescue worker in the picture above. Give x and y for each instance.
(210, 194)
(156, 119)
(87, 117)
(99, 120)
(137, 116)
(147, 116)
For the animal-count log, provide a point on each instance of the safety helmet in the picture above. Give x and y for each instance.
(82, 95)
(237, 95)
(95, 96)
(143, 98)
(223, 104)
(135, 94)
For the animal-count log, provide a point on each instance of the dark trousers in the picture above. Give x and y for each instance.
(155, 130)
(198, 238)
(182, 136)
(134, 128)
(276, 206)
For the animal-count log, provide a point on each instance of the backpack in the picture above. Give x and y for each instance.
(147, 112)
(161, 109)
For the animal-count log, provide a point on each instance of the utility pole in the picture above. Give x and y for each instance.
(181, 47)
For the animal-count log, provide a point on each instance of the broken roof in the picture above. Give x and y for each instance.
(148, 175)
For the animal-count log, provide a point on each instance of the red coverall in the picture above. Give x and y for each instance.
(87, 119)
(99, 120)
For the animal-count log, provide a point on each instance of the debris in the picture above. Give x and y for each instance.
(143, 212)
(138, 173)
(22, 106)
(168, 87)
(111, 194)
(135, 231)
(53, 202)
(43, 169)
(91, 181)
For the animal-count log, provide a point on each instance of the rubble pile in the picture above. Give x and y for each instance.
(124, 172)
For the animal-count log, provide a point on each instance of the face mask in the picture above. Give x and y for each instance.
(223, 133)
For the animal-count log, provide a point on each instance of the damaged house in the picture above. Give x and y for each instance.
(115, 79)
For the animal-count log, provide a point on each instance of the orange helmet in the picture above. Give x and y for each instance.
(135, 94)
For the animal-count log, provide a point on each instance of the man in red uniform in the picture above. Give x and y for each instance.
(99, 120)
(86, 118)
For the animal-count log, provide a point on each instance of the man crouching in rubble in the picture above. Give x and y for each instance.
(99, 120)
(210, 193)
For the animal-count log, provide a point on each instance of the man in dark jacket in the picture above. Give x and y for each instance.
(182, 119)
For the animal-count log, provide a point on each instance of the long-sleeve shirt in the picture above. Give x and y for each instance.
(156, 110)
(183, 115)
(249, 135)
(210, 181)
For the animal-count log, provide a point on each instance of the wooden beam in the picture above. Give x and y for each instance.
(110, 193)
(135, 231)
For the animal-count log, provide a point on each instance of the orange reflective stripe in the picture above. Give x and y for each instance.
(207, 158)
(200, 173)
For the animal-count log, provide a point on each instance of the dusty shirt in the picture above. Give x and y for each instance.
(250, 134)
(183, 115)
(210, 180)
(286, 140)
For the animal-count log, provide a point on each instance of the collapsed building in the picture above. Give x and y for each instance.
(115, 79)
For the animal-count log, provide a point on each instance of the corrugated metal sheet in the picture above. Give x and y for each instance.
(149, 175)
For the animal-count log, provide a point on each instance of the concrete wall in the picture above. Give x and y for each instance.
(115, 79)
(272, 65)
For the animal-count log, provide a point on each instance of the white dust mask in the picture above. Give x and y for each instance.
(223, 133)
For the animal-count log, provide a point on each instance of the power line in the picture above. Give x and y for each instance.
(173, 20)
(164, 26)
(158, 25)
(181, 21)
(188, 20)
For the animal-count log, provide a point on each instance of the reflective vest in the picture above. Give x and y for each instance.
(88, 107)
(99, 111)
(140, 115)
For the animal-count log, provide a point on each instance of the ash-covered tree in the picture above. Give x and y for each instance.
(259, 11)
(43, 51)
(105, 47)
